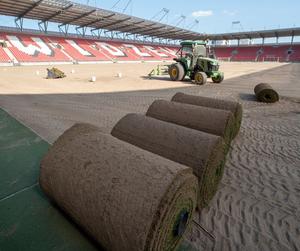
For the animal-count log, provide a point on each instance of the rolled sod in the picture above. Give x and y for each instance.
(204, 152)
(124, 197)
(210, 120)
(265, 93)
(233, 106)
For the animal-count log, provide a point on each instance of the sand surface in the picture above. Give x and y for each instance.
(257, 206)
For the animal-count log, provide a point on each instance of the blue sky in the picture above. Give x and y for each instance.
(214, 16)
(217, 15)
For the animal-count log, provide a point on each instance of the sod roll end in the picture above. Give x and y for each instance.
(126, 198)
(265, 93)
(204, 152)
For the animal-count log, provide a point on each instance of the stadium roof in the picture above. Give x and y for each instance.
(254, 34)
(66, 12)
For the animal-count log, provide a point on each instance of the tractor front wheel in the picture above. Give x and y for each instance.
(176, 72)
(200, 78)
(218, 79)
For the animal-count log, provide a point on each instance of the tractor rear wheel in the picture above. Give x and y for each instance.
(218, 79)
(176, 72)
(200, 78)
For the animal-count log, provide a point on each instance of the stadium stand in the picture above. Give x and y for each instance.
(79, 50)
(273, 53)
(33, 49)
(223, 53)
(294, 55)
(26, 48)
(280, 53)
(38, 48)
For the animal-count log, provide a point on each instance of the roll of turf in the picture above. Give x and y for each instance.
(233, 106)
(265, 93)
(126, 198)
(204, 152)
(206, 119)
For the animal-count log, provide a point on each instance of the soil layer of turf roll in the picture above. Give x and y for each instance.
(233, 106)
(204, 152)
(206, 119)
(265, 93)
(126, 198)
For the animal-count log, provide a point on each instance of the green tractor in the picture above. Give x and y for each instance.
(193, 62)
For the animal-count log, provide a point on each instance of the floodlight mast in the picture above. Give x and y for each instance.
(161, 15)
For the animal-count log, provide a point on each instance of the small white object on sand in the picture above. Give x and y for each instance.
(93, 79)
(119, 74)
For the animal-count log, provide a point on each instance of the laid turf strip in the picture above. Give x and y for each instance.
(234, 107)
(265, 93)
(204, 152)
(20, 152)
(123, 196)
(28, 221)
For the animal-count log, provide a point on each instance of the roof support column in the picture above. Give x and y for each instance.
(119, 35)
(64, 28)
(19, 23)
(98, 35)
(43, 26)
(19, 19)
(110, 35)
(292, 39)
(82, 32)
(277, 40)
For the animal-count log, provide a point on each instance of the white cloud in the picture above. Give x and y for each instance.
(202, 13)
(229, 13)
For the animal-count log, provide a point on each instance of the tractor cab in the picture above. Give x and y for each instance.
(193, 61)
(188, 48)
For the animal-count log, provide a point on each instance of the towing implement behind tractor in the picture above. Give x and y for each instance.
(193, 62)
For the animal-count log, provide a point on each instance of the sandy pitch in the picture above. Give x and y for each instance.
(257, 204)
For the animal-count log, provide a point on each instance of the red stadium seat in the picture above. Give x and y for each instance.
(294, 55)
(280, 53)
(223, 53)
(4, 58)
(80, 49)
(28, 48)
(246, 53)
(274, 53)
